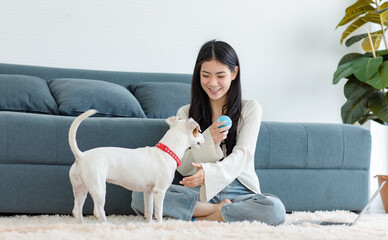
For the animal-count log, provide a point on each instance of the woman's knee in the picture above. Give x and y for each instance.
(278, 211)
(272, 210)
(264, 208)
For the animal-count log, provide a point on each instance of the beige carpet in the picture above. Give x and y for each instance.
(372, 226)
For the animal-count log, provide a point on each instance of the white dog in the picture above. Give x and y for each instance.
(150, 169)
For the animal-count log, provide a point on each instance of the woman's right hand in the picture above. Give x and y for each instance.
(218, 134)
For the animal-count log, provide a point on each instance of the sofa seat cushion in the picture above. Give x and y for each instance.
(43, 139)
(161, 99)
(24, 93)
(75, 96)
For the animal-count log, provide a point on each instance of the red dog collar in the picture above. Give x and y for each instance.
(172, 154)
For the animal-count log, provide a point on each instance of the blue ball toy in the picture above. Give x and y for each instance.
(227, 120)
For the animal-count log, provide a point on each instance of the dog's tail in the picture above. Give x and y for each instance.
(73, 132)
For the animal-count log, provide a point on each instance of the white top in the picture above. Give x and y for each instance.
(239, 164)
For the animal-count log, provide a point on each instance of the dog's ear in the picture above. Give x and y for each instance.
(194, 126)
(171, 121)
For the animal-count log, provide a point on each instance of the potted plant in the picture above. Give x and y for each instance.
(366, 73)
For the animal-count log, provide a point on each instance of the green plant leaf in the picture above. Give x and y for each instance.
(355, 86)
(372, 117)
(382, 52)
(352, 110)
(378, 54)
(386, 98)
(344, 66)
(384, 5)
(378, 106)
(354, 39)
(364, 68)
(355, 10)
(380, 79)
(356, 106)
(342, 71)
(383, 71)
(358, 3)
(373, 17)
(353, 27)
(382, 9)
(366, 118)
(383, 14)
(357, 38)
(379, 121)
(376, 40)
(350, 57)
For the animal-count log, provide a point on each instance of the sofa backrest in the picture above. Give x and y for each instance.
(61, 91)
(121, 78)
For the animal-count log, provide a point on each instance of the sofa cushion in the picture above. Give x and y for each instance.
(25, 94)
(75, 96)
(161, 100)
(44, 138)
(318, 146)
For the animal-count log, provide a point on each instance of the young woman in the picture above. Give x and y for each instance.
(220, 181)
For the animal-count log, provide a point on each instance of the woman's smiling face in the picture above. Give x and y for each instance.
(216, 78)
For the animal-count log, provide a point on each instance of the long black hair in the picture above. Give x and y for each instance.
(200, 109)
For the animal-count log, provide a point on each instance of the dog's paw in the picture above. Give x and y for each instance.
(80, 220)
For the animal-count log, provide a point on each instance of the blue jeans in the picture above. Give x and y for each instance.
(180, 202)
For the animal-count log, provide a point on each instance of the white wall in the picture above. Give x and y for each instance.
(379, 164)
(288, 50)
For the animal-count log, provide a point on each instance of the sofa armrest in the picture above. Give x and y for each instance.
(312, 146)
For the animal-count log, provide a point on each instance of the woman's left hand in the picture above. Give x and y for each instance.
(197, 179)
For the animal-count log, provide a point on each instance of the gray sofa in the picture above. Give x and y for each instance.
(309, 166)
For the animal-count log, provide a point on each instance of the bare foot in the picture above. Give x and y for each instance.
(216, 216)
(223, 202)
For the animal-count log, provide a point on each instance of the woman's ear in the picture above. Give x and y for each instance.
(234, 74)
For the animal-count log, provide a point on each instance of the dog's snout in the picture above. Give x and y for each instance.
(197, 144)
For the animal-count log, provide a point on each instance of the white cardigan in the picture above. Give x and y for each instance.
(239, 164)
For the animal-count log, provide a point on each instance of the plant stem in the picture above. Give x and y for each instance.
(385, 39)
(382, 25)
(371, 43)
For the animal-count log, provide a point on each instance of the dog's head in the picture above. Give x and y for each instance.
(189, 127)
